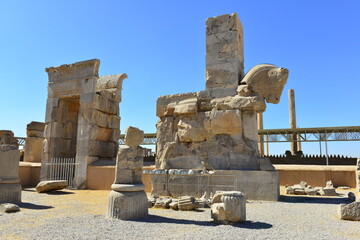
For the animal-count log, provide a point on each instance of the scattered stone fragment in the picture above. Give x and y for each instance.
(328, 190)
(344, 187)
(174, 205)
(350, 211)
(48, 186)
(187, 203)
(9, 208)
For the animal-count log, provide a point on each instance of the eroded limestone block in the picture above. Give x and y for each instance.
(9, 208)
(133, 137)
(232, 207)
(224, 122)
(127, 205)
(350, 211)
(187, 203)
(51, 185)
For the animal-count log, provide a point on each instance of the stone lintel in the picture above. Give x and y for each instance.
(79, 70)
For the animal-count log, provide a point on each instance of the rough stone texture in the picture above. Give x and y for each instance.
(216, 129)
(128, 199)
(232, 208)
(48, 186)
(255, 185)
(187, 203)
(10, 188)
(350, 211)
(82, 116)
(7, 138)
(34, 141)
(9, 208)
(133, 137)
(127, 205)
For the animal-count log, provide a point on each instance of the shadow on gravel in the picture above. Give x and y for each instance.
(160, 219)
(253, 225)
(320, 200)
(33, 206)
(59, 193)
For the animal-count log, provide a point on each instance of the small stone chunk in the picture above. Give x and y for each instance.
(9, 208)
(174, 205)
(47, 186)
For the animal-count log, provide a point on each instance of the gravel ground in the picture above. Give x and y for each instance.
(81, 215)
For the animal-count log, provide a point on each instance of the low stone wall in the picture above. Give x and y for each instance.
(317, 175)
(29, 174)
(101, 177)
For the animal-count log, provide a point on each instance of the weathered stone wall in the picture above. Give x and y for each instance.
(82, 116)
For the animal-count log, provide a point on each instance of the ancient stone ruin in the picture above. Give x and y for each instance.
(82, 117)
(128, 200)
(34, 140)
(216, 129)
(10, 188)
(228, 207)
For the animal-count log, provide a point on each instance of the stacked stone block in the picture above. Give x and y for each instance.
(128, 200)
(34, 141)
(82, 116)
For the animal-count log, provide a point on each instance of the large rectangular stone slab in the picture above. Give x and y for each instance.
(255, 185)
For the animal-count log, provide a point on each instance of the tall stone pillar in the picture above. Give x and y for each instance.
(292, 120)
(224, 54)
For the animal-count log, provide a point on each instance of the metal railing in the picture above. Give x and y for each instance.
(62, 169)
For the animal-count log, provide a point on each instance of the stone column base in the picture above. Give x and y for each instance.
(127, 205)
(10, 193)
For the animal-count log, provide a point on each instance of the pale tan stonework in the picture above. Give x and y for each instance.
(82, 116)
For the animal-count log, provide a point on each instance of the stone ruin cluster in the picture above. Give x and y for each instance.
(304, 189)
(217, 128)
(226, 206)
(200, 133)
(128, 200)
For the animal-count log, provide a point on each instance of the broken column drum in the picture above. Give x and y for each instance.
(10, 188)
(128, 200)
(82, 117)
(216, 129)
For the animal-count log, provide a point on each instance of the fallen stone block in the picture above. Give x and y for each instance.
(350, 211)
(9, 208)
(48, 186)
(187, 203)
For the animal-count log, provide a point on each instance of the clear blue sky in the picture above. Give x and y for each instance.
(161, 46)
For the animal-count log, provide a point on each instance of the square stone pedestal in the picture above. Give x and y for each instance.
(127, 205)
(255, 185)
